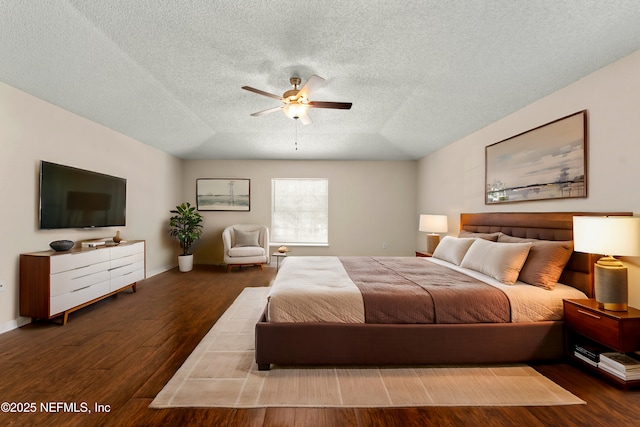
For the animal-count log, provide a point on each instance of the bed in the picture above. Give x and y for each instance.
(343, 332)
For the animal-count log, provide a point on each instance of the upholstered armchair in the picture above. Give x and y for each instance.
(246, 244)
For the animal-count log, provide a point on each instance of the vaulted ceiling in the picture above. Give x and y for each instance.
(420, 74)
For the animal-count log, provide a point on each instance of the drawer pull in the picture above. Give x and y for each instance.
(79, 289)
(82, 277)
(588, 314)
(121, 266)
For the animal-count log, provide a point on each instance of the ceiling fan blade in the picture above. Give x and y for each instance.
(264, 112)
(312, 84)
(261, 92)
(335, 105)
(306, 119)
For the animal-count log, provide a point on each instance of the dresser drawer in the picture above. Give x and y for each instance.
(127, 260)
(127, 276)
(75, 260)
(63, 302)
(127, 250)
(596, 326)
(71, 280)
(126, 269)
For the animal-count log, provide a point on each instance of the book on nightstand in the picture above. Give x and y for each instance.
(585, 359)
(588, 353)
(621, 365)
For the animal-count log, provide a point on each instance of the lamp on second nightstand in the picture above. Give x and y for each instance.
(612, 235)
(432, 225)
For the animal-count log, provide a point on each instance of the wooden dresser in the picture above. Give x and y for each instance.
(57, 283)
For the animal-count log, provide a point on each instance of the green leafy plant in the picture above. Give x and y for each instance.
(185, 226)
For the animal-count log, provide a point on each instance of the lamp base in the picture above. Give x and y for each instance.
(615, 307)
(432, 242)
(611, 284)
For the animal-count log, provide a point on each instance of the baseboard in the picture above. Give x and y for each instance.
(14, 324)
(155, 271)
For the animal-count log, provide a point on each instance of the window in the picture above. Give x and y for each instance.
(300, 211)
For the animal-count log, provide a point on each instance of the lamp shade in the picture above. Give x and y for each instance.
(612, 235)
(433, 223)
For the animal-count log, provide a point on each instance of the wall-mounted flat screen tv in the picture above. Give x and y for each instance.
(78, 198)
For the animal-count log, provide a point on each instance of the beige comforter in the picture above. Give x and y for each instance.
(319, 289)
(314, 289)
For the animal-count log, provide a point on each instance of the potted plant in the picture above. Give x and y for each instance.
(186, 226)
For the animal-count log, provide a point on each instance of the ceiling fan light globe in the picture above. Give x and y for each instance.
(295, 111)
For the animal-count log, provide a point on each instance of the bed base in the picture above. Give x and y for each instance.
(410, 344)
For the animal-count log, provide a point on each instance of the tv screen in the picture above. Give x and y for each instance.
(78, 198)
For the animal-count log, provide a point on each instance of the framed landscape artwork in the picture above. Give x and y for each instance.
(223, 194)
(548, 162)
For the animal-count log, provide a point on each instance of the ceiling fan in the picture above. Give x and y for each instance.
(295, 102)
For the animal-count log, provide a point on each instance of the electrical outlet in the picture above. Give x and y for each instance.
(2, 285)
(385, 246)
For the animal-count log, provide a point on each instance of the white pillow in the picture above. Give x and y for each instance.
(502, 261)
(452, 249)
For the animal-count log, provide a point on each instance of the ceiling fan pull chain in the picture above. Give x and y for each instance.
(296, 135)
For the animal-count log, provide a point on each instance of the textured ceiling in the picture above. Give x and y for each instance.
(420, 74)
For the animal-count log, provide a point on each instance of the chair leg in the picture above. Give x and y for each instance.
(240, 266)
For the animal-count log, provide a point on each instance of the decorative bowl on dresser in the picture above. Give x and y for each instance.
(61, 245)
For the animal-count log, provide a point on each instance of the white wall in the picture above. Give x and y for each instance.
(451, 180)
(370, 203)
(34, 130)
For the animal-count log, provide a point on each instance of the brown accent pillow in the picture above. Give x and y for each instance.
(545, 262)
(492, 237)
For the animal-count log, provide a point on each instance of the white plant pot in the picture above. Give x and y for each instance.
(185, 263)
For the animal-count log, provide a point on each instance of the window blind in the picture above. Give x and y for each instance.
(300, 211)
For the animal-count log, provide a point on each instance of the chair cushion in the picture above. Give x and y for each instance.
(246, 238)
(245, 251)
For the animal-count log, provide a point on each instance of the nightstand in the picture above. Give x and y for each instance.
(587, 324)
(423, 254)
(277, 256)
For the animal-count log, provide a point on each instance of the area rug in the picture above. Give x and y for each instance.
(221, 372)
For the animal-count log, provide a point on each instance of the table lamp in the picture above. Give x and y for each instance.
(613, 235)
(432, 225)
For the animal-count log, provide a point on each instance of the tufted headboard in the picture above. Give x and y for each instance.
(544, 226)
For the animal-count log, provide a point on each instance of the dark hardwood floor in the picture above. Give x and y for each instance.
(120, 352)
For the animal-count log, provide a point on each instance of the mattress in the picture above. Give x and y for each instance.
(319, 289)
